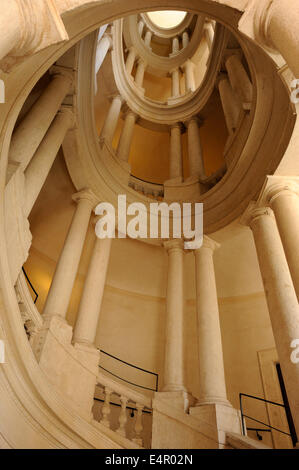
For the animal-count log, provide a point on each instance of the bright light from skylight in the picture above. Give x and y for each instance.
(167, 19)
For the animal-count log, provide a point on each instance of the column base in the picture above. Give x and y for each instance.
(221, 414)
(179, 399)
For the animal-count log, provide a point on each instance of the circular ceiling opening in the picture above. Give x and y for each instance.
(167, 19)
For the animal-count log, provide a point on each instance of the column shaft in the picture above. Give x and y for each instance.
(148, 38)
(239, 79)
(230, 104)
(281, 299)
(32, 129)
(66, 269)
(188, 68)
(175, 83)
(140, 73)
(174, 344)
(91, 301)
(285, 205)
(185, 39)
(125, 141)
(175, 154)
(140, 27)
(196, 164)
(175, 45)
(103, 47)
(40, 165)
(130, 60)
(110, 124)
(212, 387)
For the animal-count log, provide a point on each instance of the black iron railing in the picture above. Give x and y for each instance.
(268, 426)
(30, 284)
(135, 367)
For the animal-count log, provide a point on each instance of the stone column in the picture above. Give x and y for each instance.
(111, 120)
(239, 79)
(188, 68)
(32, 129)
(230, 104)
(185, 39)
(284, 200)
(141, 67)
(104, 45)
(175, 83)
(196, 164)
(91, 301)
(212, 387)
(148, 38)
(40, 165)
(174, 336)
(66, 269)
(125, 141)
(175, 154)
(281, 297)
(140, 27)
(130, 60)
(175, 45)
(209, 34)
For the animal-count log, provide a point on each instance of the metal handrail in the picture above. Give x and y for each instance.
(30, 284)
(135, 367)
(256, 420)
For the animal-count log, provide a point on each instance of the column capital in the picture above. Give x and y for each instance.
(175, 244)
(187, 64)
(253, 212)
(275, 186)
(176, 125)
(208, 243)
(68, 110)
(59, 70)
(88, 195)
(255, 21)
(114, 96)
(199, 121)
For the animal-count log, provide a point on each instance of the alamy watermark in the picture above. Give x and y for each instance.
(159, 220)
(295, 353)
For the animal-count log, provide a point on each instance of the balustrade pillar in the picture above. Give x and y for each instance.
(175, 154)
(130, 60)
(188, 68)
(110, 124)
(281, 297)
(185, 39)
(66, 269)
(32, 129)
(148, 38)
(196, 164)
(138, 428)
(284, 200)
(122, 417)
(212, 387)
(106, 407)
(174, 333)
(125, 141)
(230, 104)
(239, 79)
(40, 165)
(92, 296)
(175, 83)
(141, 67)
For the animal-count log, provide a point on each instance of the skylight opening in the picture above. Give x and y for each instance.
(167, 19)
